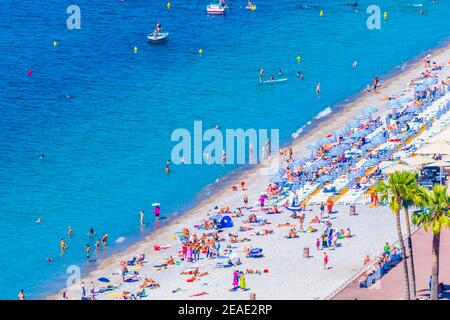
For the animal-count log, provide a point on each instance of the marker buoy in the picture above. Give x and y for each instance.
(298, 59)
(321, 13)
(385, 15)
(200, 51)
(55, 43)
(253, 8)
(135, 49)
(30, 72)
(168, 5)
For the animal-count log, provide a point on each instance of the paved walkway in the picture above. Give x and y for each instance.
(390, 287)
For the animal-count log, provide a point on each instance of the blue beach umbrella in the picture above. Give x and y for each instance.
(362, 117)
(412, 109)
(393, 105)
(420, 88)
(430, 81)
(404, 100)
(370, 110)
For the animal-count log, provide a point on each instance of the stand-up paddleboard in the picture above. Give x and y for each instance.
(276, 80)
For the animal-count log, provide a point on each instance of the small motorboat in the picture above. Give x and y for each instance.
(216, 8)
(158, 37)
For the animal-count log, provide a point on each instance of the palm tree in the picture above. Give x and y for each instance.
(434, 216)
(394, 192)
(411, 197)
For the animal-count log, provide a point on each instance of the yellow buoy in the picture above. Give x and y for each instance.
(321, 13)
(168, 5)
(385, 15)
(135, 49)
(200, 51)
(298, 58)
(55, 43)
(253, 8)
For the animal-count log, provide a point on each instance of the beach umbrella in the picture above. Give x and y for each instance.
(430, 81)
(312, 146)
(325, 140)
(359, 134)
(393, 105)
(156, 204)
(362, 117)
(412, 109)
(440, 163)
(420, 88)
(399, 167)
(369, 110)
(404, 100)
(438, 147)
(294, 208)
(417, 160)
(323, 179)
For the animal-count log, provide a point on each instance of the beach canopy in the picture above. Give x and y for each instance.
(417, 160)
(226, 222)
(400, 167)
(156, 204)
(440, 163)
(438, 147)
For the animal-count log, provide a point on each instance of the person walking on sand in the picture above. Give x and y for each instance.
(375, 84)
(325, 260)
(318, 244)
(141, 213)
(322, 210)
(330, 206)
(21, 295)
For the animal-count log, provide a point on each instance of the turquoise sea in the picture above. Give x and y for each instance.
(105, 149)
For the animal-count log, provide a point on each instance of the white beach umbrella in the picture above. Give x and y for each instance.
(156, 204)
(438, 147)
(440, 163)
(400, 167)
(417, 160)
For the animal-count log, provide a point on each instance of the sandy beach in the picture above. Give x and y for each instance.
(290, 275)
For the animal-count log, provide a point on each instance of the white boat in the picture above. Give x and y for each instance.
(158, 37)
(216, 8)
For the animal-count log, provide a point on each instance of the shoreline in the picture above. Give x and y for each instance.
(221, 193)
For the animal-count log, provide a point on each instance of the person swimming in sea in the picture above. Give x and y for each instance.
(41, 156)
(272, 78)
(300, 75)
(91, 232)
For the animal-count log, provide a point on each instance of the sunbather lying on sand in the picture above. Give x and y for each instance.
(292, 234)
(264, 232)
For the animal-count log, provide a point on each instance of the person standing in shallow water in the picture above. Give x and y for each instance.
(21, 295)
(87, 250)
(142, 218)
(69, 231)
(157, 212)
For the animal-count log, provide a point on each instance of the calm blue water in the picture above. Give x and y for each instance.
(105, 149)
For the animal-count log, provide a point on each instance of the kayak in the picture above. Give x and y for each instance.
(158, 37)
(276, 80)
